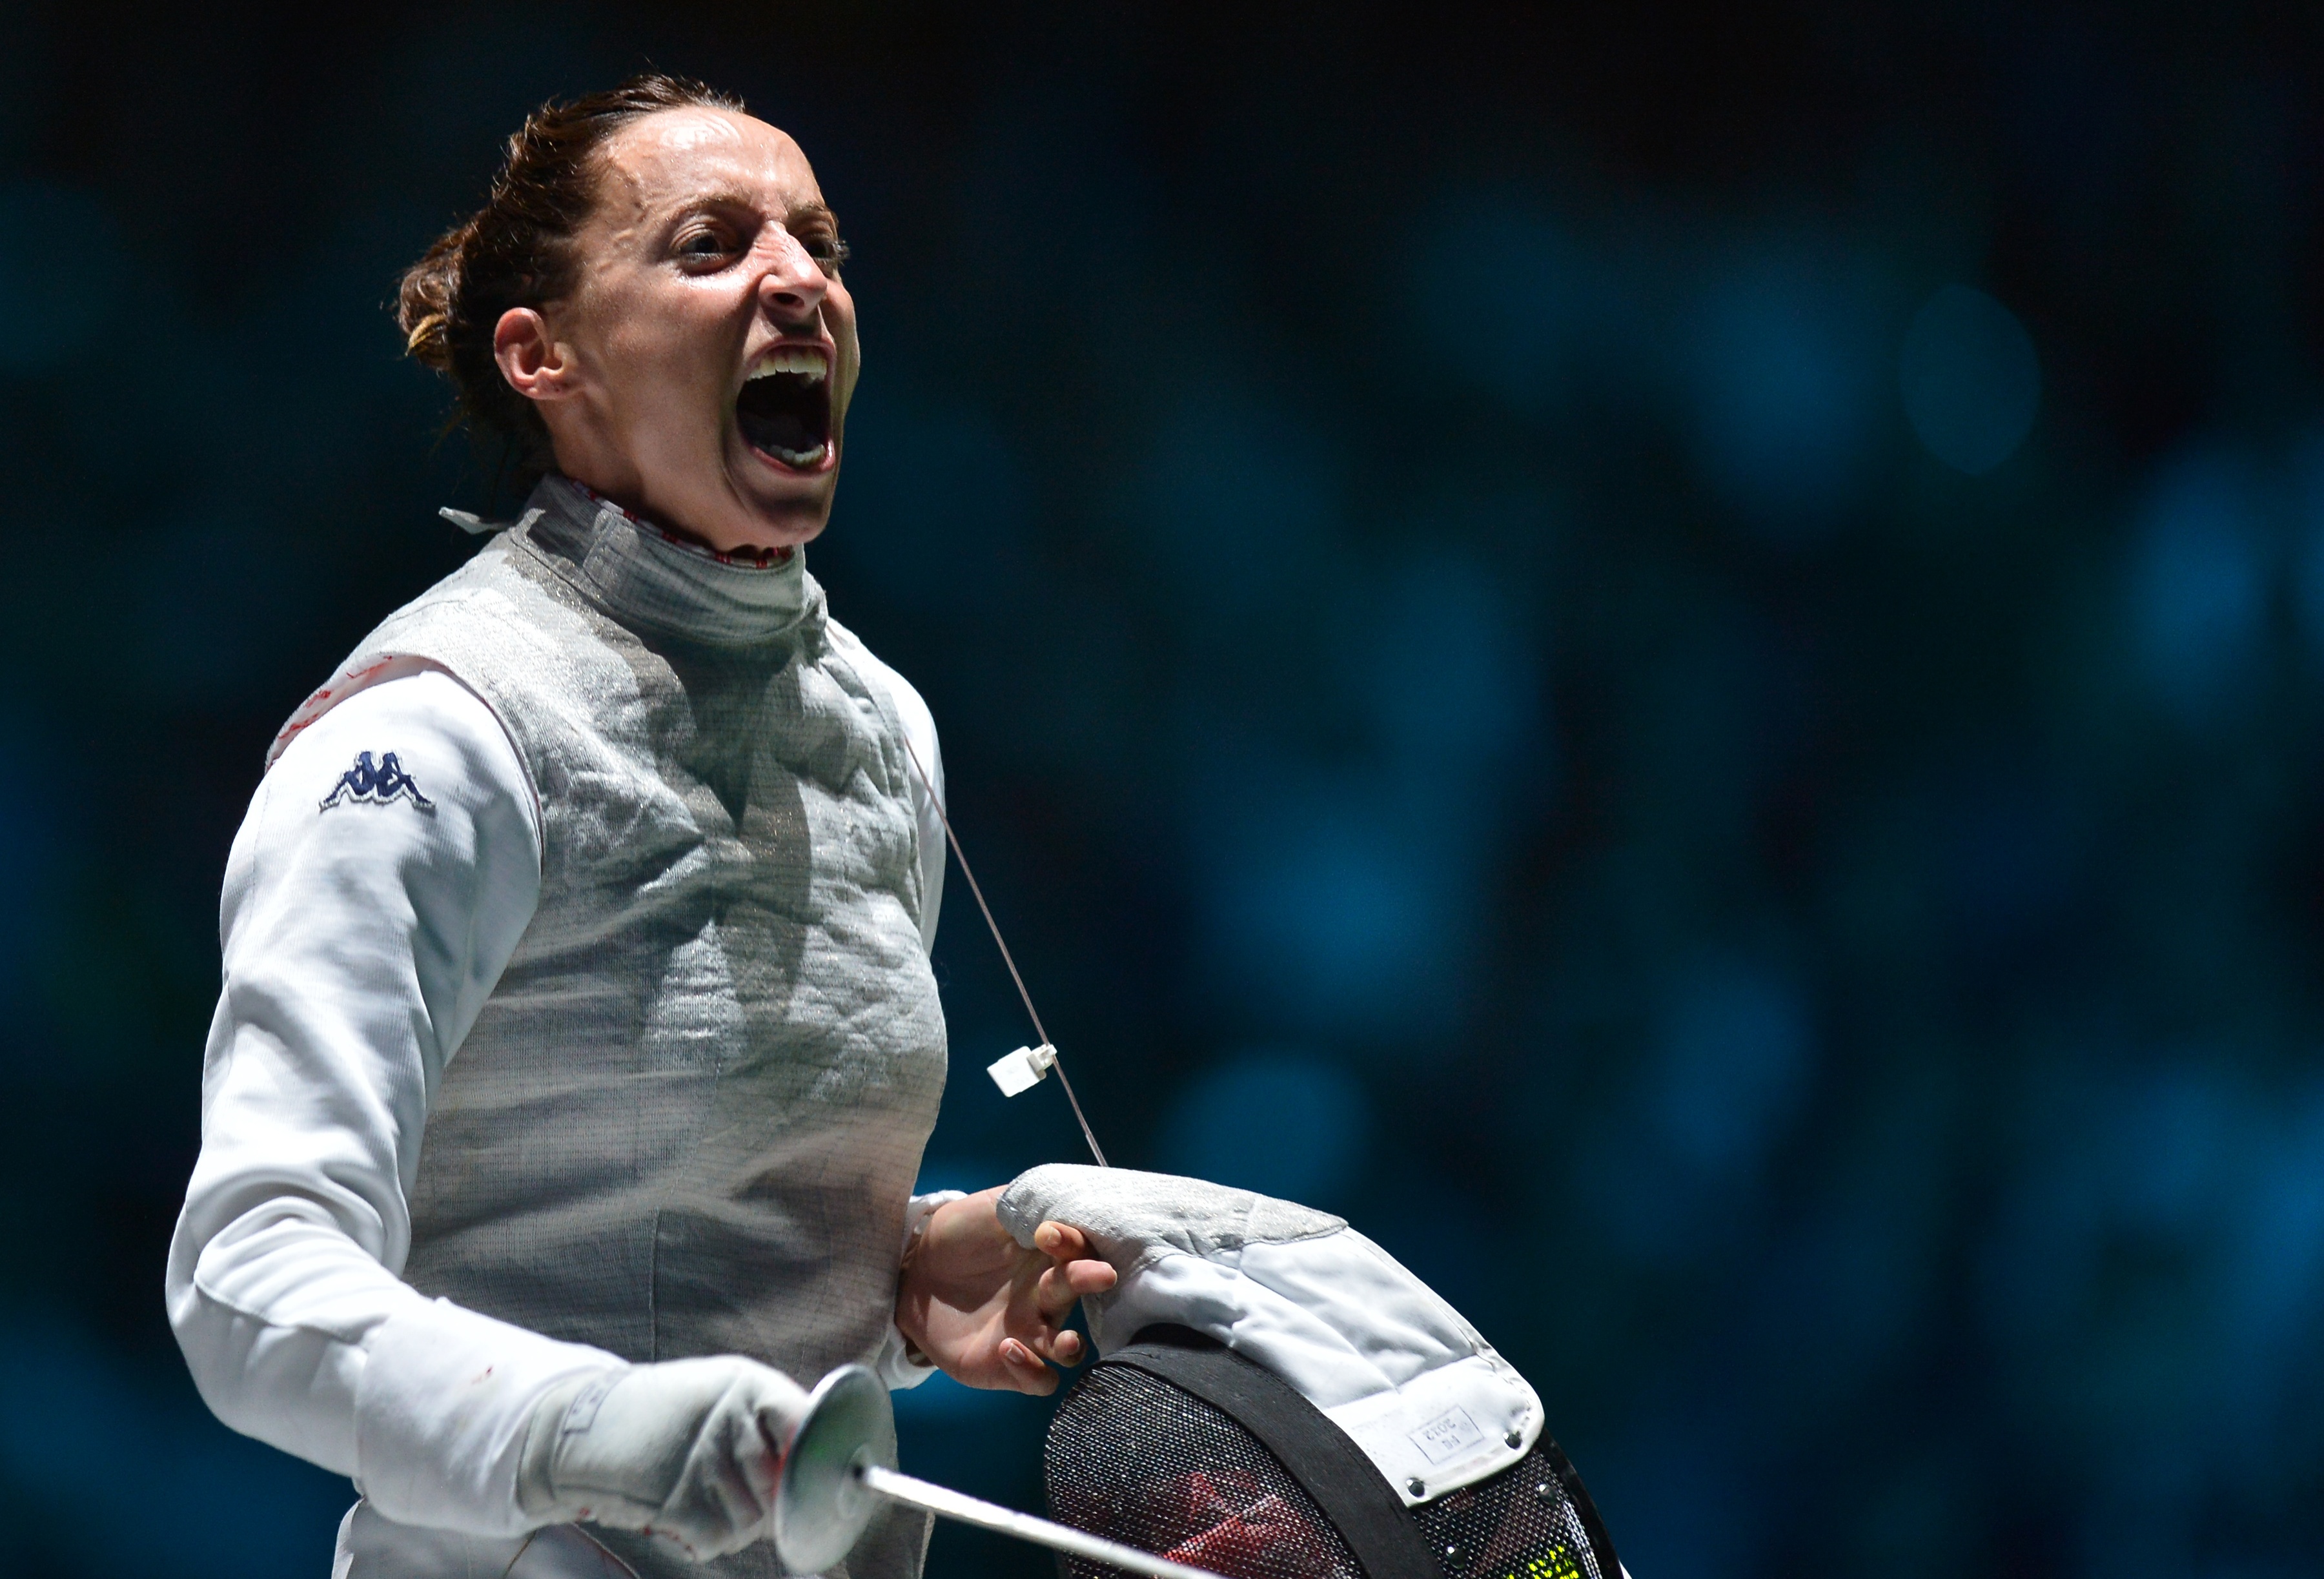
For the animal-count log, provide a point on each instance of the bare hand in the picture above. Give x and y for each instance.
(987, 1310)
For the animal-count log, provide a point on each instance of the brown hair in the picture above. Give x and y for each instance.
(514, 251)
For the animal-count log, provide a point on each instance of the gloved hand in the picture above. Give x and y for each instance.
(687, 1450)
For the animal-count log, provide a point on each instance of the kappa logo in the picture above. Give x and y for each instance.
(376, 785)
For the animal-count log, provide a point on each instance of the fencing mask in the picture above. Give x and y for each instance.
(1275, 1398)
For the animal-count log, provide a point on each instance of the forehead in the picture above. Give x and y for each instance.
(673, 157)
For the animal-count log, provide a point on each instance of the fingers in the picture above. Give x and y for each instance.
(1058, 1348)
(1052, 1340)
(1061, 1242)
(1073, 1274)
(1090, 1276)
(1074, 1271)
(1024, 1371)
(1059, 1288)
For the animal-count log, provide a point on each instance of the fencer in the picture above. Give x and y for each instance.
(576, 1044)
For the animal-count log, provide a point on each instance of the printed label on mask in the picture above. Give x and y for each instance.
(581, 1413)
(1450, 1432)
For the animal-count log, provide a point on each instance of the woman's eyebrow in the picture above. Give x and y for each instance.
(720, 198)
(735, 197)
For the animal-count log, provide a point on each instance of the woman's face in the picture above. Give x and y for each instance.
(699, 372)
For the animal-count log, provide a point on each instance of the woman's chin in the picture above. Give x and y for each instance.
(780, 507)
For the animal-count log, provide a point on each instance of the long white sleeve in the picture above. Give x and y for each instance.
(359, 938)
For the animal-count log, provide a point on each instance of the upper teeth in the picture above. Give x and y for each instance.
(803, 359)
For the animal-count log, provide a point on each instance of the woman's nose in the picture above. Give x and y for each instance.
(793, 285)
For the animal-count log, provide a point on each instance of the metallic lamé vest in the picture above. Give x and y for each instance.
(690, 1116)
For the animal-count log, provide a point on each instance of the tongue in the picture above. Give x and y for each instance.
(778, 431)
(785, 415)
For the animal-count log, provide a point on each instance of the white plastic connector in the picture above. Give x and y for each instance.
(1023, 1070)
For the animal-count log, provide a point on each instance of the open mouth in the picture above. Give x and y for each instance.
(784, 410)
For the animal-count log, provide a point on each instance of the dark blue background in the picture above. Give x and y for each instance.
(1671, 652)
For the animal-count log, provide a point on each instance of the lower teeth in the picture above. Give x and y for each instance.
(801, 459)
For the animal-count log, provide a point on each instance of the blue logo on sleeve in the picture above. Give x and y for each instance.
(376, 786)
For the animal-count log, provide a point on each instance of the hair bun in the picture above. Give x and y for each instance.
(514, 251)
(425, 340)
(425, 300)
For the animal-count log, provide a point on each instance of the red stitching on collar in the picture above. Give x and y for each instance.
(745, 558)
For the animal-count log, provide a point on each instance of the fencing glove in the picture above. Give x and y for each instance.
(687, 1450)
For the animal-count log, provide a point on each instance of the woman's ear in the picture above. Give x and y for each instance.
(536, 366)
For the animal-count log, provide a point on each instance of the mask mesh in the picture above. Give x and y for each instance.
(1137, 1460)
(1520, 1524)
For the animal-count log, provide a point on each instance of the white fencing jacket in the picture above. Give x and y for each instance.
(372, 902)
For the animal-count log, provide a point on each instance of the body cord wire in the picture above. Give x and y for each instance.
(1006, 958)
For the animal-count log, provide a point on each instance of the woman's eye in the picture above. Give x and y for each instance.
(701, 244)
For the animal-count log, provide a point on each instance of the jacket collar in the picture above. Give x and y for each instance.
(644, 576)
